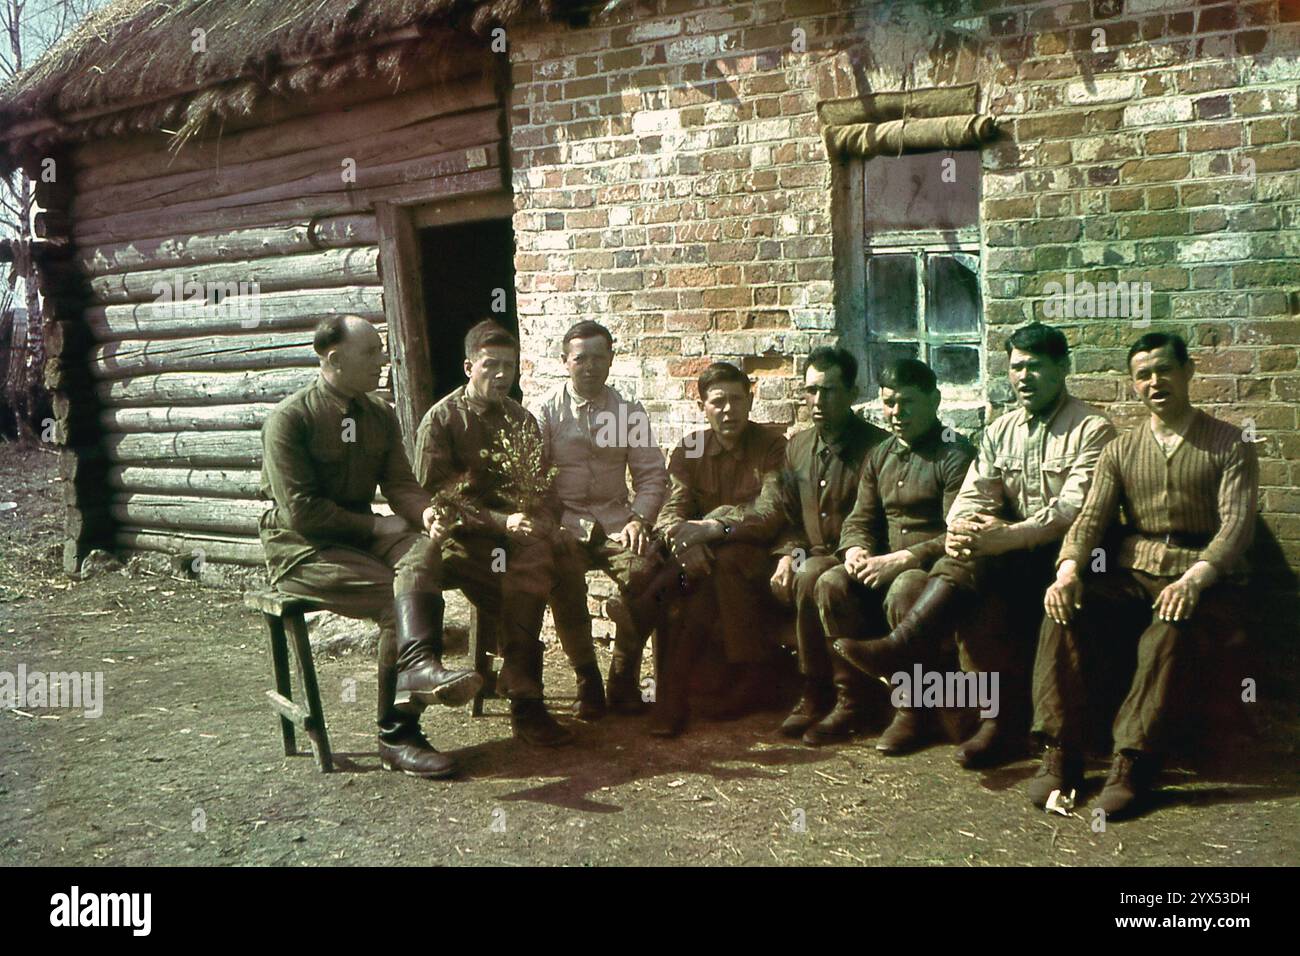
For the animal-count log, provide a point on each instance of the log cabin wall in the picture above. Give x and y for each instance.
(276, 224)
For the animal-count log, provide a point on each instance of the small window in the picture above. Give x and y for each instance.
(921, 243)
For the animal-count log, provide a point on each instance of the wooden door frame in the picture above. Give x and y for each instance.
(404, 307)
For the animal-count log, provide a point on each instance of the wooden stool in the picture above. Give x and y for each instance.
(283, 614)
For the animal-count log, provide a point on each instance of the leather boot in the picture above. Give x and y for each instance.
(401, 745)
(913, 639)
(415, 756)
(907, 732)
(1129, 781)
(988, 747)
(590, 704)
(814, 704)
(1060, 770)
(848, 716)
(624, 687)
(420, 674)
(533, 724)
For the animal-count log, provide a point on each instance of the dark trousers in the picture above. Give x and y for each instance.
(998, 618)
(1075, 660)
(735, 603)
(850, 609)
(810, 631)
(630, 572)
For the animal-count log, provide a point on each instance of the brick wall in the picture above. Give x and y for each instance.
(670, 180)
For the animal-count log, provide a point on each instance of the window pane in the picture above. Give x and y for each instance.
(882, 353)
(956, 364)
(922, 191)
(891, 295)
(952, 294)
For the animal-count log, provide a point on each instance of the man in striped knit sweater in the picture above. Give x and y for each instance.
(1188, 484)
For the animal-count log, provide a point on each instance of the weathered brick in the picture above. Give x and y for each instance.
(1155, 170)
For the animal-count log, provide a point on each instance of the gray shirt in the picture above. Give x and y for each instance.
(595, 444)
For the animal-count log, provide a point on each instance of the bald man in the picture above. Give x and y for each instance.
(324, 451)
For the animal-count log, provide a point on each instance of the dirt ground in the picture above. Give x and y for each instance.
(184, 766)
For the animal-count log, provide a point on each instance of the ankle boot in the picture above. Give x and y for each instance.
(590, 704)
(1129, 781)
(844, 721)
(624, 688)
(907, 733)
(533, 724)
(988, 747)
(412, 754)
(1061, 770)
(913, 639)
(814, 703)
(420, 674)
(849, 715)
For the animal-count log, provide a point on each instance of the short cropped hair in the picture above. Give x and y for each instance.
(908, 371)
(329, 333)
(827, 357)
(1040, 339)
(1154, 340)
(488, 333)
(585, 329)
(720, 372)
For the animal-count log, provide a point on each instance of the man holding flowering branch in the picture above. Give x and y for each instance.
(479, 454)
(596, 439)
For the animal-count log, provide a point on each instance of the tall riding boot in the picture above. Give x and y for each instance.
(401, 744)
(912, 640)
(420, 674)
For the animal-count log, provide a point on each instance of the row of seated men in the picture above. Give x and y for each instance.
(1045, 556)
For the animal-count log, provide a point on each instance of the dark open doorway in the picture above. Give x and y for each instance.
(468, 273)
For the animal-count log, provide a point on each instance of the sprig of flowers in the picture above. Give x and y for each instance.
(452, 505)
(519, 457)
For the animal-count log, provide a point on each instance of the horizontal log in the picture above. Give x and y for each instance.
(202, 388)
(316, 166)
(290, 309)
(178, 418)
(224, 515)
(212, 353)
(480, 181)
(196, 482)
(133, 159)
(230, 245)
(144, 225)
(233, 449)
(227, 549)
(315, 270)
(135, 226)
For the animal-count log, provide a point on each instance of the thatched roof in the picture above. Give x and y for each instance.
(134, 53)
